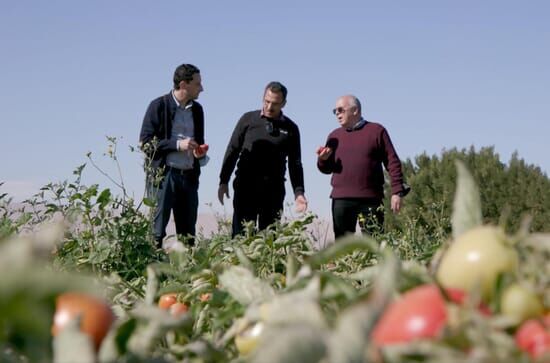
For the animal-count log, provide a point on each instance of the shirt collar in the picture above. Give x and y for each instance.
(357, 125)
(187, 105)
(280, 118)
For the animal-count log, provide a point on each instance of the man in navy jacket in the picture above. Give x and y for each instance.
(172, 135)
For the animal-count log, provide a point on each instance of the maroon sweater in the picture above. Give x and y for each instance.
(356, 162)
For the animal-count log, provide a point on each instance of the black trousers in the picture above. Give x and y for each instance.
(346, 211)
(259, 202)
(178, 192)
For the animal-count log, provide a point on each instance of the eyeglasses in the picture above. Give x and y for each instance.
(338, 110)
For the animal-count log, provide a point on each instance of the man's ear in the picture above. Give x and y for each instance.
(283, 104)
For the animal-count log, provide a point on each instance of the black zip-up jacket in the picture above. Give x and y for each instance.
(157, 123)
(262, 147)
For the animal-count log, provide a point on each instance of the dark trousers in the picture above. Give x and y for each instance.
(346, 211)
(178, 192)
(256, 202)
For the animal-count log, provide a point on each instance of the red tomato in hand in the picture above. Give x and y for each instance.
(96, 315)
(322, 149)
(203, 148)
(533, 337)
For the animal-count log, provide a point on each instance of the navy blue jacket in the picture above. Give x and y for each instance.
(157, 124)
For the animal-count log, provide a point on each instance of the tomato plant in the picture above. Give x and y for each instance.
(96, 315)
(476, 259)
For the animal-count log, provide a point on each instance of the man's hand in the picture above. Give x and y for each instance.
(200, 151)
(395, 203)
(187, 144)
(301, 203)
(323, 152)
(223, 189)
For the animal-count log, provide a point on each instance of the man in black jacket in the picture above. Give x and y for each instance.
(172, 135)
(262, 142)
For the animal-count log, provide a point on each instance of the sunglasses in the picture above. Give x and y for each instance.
(339, 110)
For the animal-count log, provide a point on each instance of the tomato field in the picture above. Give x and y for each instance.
(83, 282)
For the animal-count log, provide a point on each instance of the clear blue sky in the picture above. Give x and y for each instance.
(437, 74)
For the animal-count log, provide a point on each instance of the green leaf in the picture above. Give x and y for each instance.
(341, 248)
(244, 286)
(354, 326)
(104, 198)
(149, 202)
(467, 204)
(292, 343)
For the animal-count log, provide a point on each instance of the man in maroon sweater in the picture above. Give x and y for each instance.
(354, 154)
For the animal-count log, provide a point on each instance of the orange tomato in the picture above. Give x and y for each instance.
(167, 300)
(178, 309)
(96, 315)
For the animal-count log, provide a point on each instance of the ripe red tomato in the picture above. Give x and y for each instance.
(322, 149)
(420, 313)
(533, 337)
(167, 300)
(204, 148)
(96, 315)
(205, 297)
(178, 309)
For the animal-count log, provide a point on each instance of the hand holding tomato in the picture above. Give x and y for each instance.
(200, 151)
(324, 152)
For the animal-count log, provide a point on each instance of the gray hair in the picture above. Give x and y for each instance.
(355, 102)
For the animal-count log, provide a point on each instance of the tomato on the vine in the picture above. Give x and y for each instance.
(533, 337)
(167, 300)
(476, 259)
(519, 303)
(420, 313)
(96, 315)
(178, 309)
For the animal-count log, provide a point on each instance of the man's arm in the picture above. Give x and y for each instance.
(296, 171)
(393, 166)
(231, 156)
(150, 130)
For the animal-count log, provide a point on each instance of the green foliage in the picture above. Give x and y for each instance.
(508, 192)
(315, 305)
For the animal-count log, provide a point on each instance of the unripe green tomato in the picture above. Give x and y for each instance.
(520, 304)
(476, 259)
(247, 339)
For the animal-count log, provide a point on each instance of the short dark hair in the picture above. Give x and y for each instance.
(185, 73)
(276, 87)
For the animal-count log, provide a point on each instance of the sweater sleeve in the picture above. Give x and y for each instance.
(327, 166)
(233, 149)
(295, 169)
(150, 130)
(392, 163)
